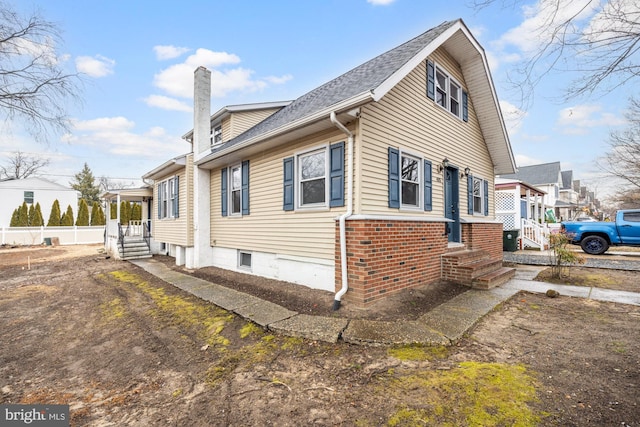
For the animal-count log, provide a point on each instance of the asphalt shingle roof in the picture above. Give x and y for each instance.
(547, 173)
(365, 77)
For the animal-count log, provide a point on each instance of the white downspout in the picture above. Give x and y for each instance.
(344, 216)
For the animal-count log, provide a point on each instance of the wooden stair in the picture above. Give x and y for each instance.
(475, 268)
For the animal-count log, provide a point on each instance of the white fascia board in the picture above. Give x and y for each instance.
(341, 106)
(167, 167)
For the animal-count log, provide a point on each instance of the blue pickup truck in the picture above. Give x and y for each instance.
(596, 237)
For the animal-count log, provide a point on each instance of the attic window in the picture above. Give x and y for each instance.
(446, 92)
(216, 136)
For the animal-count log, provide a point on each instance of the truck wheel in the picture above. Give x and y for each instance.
(594, 245)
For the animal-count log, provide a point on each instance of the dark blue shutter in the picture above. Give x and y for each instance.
(245, 187)
(486, 197)
(465, 106)
(394, 178)
(431, 81)
(336, 174)
(470, 195)
(176, 202)
(224, 199)
(428, 187)
(288, 187)
(159, 200)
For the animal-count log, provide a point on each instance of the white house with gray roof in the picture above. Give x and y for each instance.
(380, 180)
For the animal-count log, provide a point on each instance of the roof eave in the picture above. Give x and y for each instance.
(167, 167)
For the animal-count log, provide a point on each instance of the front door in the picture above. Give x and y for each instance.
(451, 203)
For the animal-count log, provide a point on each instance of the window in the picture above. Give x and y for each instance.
(631, 216)
(28, 197)
(234, 183)
(410, 194)
(168, 198)
(236, 188)
(478, 196)
(446, 92)
(244, 259)
(410, 181)
(314, 178)
(216, 136)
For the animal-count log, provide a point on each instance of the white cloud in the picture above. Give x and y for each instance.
(177, 80)
(169, 52)
(98, 66)
(577, 120)
(166, 103)
(380, 2)
(116, 136)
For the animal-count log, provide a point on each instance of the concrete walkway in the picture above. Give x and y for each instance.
(443, 325)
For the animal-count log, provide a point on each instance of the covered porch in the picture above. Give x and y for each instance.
(522, 207)
(128, 236)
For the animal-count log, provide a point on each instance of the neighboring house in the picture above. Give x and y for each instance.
(546, 177)
(379, 180)
(568, 204)
(14, 192)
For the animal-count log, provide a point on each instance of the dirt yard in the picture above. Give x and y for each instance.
(123, 348)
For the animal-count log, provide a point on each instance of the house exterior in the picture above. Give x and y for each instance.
(366, 184)
(33, 190)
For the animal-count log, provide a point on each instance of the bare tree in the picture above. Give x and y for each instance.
(20, 166)
(623, 158)
(598, 39)
(34, 87)
(106, 184)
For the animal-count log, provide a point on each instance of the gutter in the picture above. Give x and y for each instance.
(344, 216)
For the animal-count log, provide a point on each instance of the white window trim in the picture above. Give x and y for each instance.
(298, 182)
(437, 68)
(168, 211)
(482, 207)
(231, 190)
(420, 160)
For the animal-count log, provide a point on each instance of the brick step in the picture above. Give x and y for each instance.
(481, 267)
(495, 278)
(462, 257)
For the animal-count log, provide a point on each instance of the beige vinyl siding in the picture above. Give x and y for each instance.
(175, 230)
(240, 122)
(268, 228)
(407, 119)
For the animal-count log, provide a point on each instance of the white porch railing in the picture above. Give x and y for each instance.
(533, 234)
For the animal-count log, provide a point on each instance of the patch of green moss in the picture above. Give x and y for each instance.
(418, 352)
(474, 394)
(250, 329)
(113, 309)
(186, 312)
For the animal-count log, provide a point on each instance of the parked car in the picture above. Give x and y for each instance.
(595, 237)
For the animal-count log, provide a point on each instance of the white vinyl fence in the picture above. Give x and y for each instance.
(65, 235)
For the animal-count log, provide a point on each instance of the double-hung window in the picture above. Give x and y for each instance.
(314, 179)
(216, 135)
(234, 183)
(28, 197)
(446, 92)
(312, 176)
(168, 198)
(410, 181)
(478, 196)
(410, 176)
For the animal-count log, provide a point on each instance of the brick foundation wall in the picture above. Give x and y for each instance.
(484, 236)
(386, 256)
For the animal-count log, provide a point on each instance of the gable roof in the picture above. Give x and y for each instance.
(168, 167)
(373, 79)
(567, 179)
(32, 183)
(547, 173)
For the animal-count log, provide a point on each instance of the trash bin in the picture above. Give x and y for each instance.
(47, 241)
(510, 240)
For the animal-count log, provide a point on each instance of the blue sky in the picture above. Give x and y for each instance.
(137, 60)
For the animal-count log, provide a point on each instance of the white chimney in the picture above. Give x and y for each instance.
(201, 112)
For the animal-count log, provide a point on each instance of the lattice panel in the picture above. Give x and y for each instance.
(508, 221)
(505, 201)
